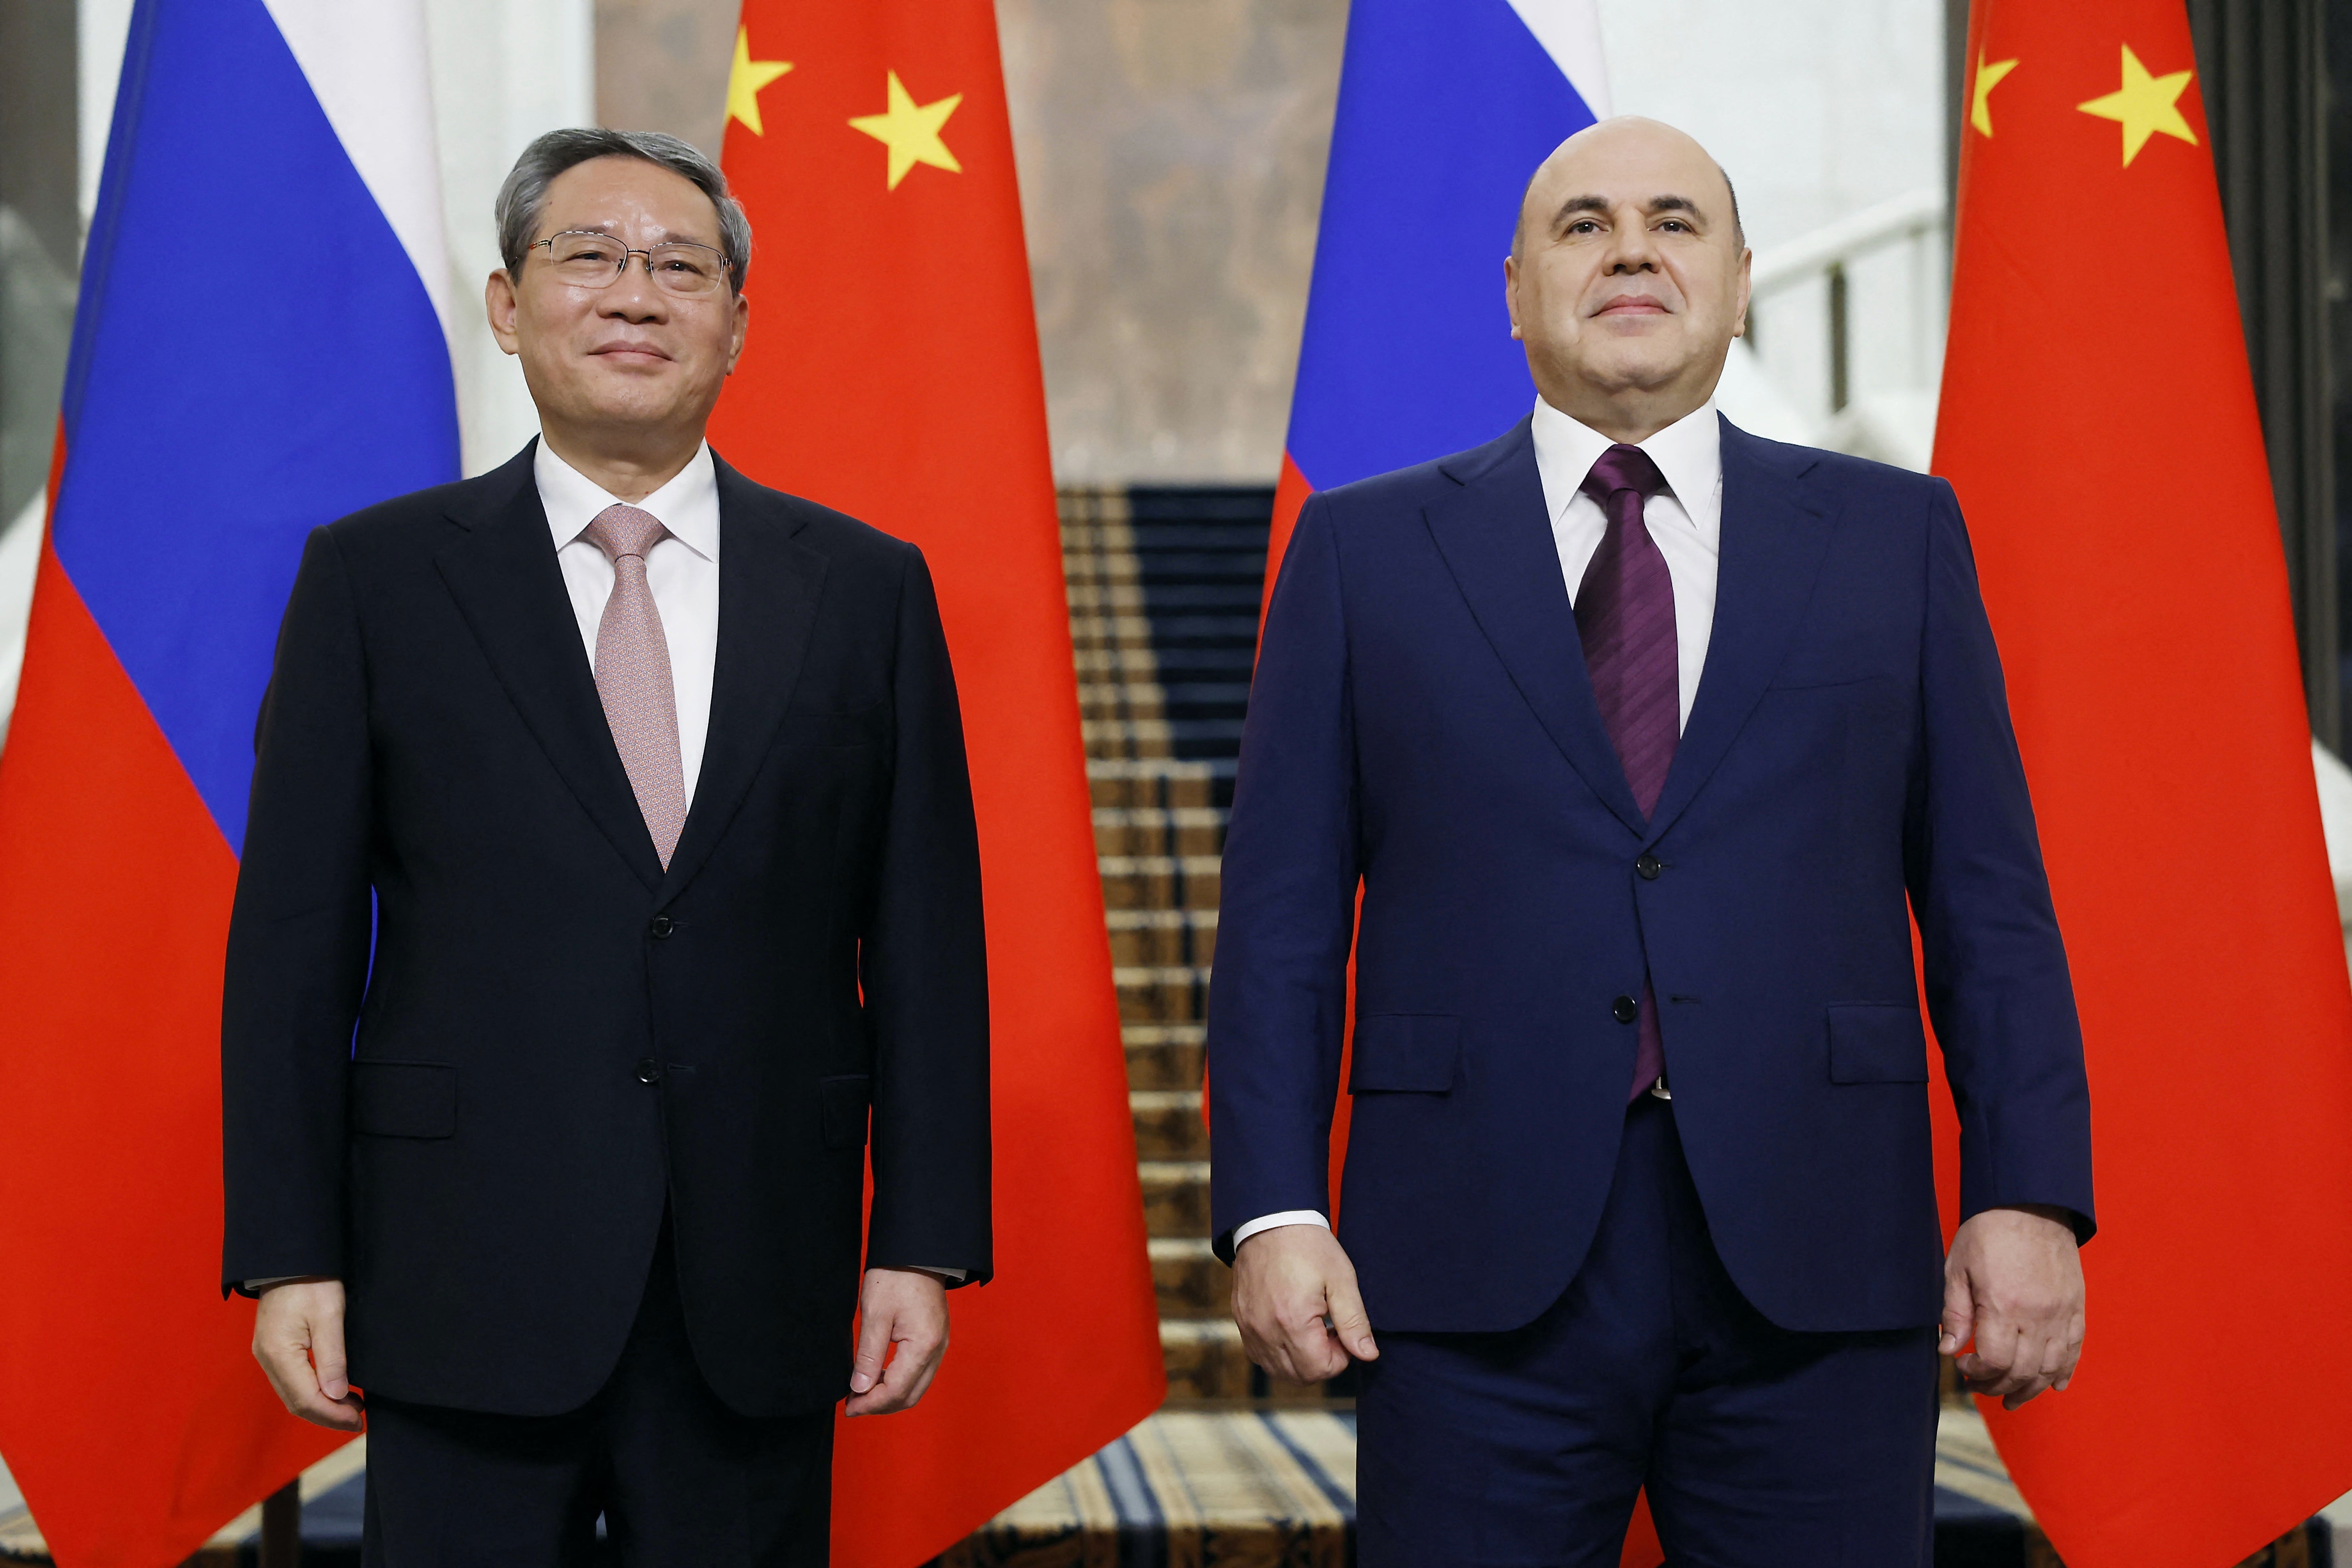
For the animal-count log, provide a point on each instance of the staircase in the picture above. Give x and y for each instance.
(1164, 587)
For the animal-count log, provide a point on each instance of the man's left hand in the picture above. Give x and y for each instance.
(2014, 1284)
(904, 1307)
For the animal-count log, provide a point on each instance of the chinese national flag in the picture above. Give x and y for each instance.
(892, 372)
(2099, 424)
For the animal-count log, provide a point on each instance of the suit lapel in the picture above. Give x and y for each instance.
(503, 573)
(1498, 541)
(769, 587)
(1773, 540)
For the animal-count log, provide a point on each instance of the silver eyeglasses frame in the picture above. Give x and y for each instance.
(726, 267)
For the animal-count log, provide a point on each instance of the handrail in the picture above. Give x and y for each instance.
(1824, 255)
(1803, 260)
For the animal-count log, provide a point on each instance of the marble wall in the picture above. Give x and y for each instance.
(1171, 161)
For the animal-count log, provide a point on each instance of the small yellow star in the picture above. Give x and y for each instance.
(744, 82)
(2145, 105)
(911, 130)
(1989, 75)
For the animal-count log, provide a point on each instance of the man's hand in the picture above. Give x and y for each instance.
(908, 1309)
(298, 1338)
(1295, 1302)
(2013, 1283)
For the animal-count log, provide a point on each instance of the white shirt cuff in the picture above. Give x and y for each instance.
(1276, 1221)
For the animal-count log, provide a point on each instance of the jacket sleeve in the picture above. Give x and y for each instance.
(1996, 984)
(924, 967)
(299, 942)
(1277, 1005)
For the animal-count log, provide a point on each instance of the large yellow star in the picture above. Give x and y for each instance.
(1989, 75)
(2145, 105)
(744, 82)
(911, 130)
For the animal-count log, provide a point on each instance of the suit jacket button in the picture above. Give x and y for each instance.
(1649, 866)
(663, 925)
(1624, 1009)
(649, 1071)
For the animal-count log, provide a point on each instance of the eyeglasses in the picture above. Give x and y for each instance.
(587, 259)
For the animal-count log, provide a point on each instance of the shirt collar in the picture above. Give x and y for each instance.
(1688, 452)
(688, 505)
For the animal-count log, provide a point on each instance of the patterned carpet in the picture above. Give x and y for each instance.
(1267, 1487)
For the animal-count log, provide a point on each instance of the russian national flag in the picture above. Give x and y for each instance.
(1445, 108)
(259, 349)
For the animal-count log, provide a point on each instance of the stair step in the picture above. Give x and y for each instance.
(1111, 566)
(1189, 1282)
(1146, 937)
(1204, 1359)
(1125, 535)
(1160, 737)
(1166, 782)
(1168, 1124)
(1185, 701)
(1163, 1056)
(1089, 629)
(1235, 596)
(1175, 1197)
(1128, 831)
(1160, 881)
(1233, 661)
(1162, 993)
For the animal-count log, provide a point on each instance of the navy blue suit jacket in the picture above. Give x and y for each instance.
(1422, 727)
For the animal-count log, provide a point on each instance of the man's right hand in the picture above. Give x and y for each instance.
(298, 1338)
(1295, 1302)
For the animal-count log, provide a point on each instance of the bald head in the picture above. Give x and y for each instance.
(1730, 196)
(1628, 276)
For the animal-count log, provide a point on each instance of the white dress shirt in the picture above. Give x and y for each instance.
(1685, 519)
(682, 571)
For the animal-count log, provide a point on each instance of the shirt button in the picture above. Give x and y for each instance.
(1624, 1009)
(1649, 866)
(649, 1071)
(663, 925)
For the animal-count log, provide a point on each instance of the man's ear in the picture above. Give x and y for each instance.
(742, 329)
(499, 301)
(1511, 293)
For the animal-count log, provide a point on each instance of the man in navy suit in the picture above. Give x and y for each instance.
(1641, 741)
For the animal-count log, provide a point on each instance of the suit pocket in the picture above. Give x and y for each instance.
(403, 1099)
(1412, 1053)
(845, 1100)
(1878, 1042)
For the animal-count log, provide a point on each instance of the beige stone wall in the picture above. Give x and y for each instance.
(1172, 165)
(661, 65)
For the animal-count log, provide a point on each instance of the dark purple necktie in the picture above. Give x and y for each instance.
(1625, 619)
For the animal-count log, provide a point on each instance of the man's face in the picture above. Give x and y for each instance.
(1629, 280)
(631, 355)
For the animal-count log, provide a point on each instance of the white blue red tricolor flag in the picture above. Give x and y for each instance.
(259, 349)
(1445, 108)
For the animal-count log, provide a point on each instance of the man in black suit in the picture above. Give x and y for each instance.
(644, 871)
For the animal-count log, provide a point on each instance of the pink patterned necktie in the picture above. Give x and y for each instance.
(633, 675)
(1625, 619)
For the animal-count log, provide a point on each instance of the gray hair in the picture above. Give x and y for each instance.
(524, 196)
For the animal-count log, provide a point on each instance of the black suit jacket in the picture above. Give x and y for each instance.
(554, 1038)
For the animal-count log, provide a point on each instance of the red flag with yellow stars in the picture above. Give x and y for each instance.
(2098, 422)
(892, 372)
